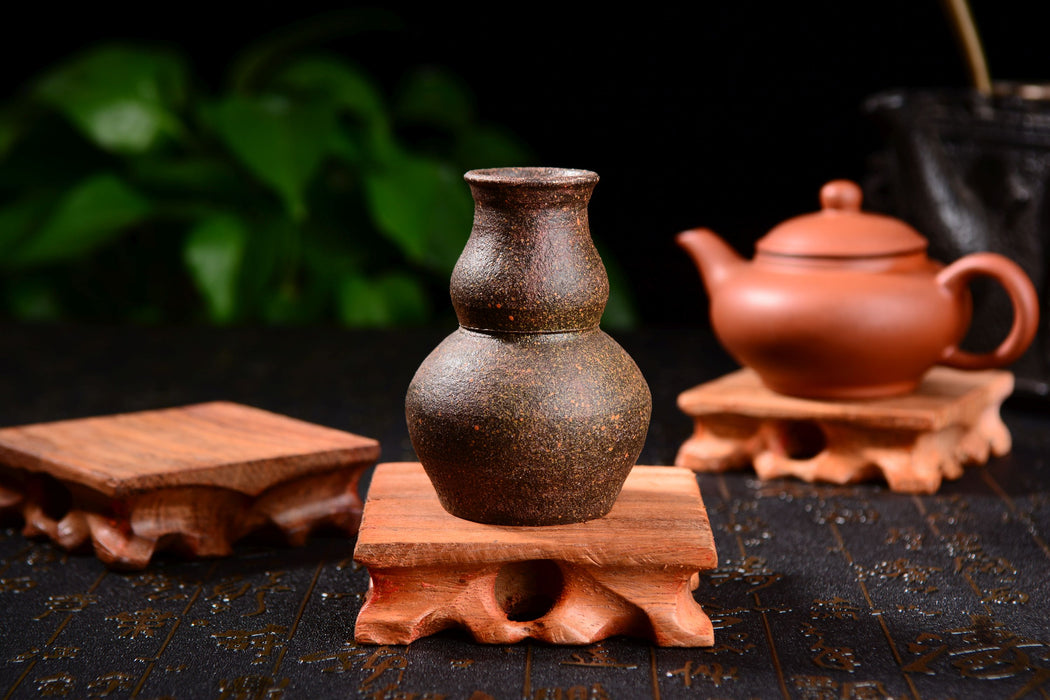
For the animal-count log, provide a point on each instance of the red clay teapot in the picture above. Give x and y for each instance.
(845, 304)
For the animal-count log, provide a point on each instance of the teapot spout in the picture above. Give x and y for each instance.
(714, 258)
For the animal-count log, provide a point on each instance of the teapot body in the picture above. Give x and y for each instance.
(815, 329)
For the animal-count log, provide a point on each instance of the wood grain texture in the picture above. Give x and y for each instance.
(630, 572)
(191, 479)
(912, 441)
(219, 443)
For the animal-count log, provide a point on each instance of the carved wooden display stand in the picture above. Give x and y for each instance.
(914, 441)
(193, 479)
(630, 572)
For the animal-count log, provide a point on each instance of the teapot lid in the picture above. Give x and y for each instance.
(841, 230)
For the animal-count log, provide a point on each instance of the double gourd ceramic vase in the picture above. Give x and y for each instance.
(528, 414)
(846, 304)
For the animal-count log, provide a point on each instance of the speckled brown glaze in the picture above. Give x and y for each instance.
(530, 264)
(528, 414)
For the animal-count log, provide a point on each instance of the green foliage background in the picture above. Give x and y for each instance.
(301, 193)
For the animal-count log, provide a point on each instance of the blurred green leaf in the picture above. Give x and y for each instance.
(368, 210)
(353, 94)
(213, 253)
(91, 214)
(424, 208)
(436, 97)
(620, 312)
(202, 174)
(123, 99)
(391, 299)
(490, 147)
(268, 271)
(360, 304)
(20, 217)
(33, 299)
(351, 89)
(281, 142)
(406, 298)
(349, 149)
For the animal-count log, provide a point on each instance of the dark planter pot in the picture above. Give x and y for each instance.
(972, 173)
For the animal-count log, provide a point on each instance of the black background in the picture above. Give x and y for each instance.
(728, 115)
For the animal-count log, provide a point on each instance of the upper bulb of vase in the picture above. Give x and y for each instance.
(530, 265)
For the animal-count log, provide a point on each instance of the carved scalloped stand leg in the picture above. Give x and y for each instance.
(192, 521)
(631, 572)
(913, 441)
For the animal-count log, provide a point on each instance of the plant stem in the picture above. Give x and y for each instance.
(966, 32)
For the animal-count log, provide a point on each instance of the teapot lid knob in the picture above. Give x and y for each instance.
(841, 195)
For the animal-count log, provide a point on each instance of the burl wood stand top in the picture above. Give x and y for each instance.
(192, 478)
(913, 441)
(631, 572)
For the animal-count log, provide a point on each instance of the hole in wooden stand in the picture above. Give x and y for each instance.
(55, 499)
(801, 439)
(527, 590)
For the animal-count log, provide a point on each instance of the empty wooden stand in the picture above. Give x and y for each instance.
(193, 479)
(631, 572)
(913, 441)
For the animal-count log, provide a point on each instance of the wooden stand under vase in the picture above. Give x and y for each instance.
(631, 572)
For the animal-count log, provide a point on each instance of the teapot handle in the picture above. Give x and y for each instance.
(1023, 296)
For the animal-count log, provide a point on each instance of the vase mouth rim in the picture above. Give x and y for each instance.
(531, 176)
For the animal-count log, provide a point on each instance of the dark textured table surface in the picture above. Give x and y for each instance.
(820, 592)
